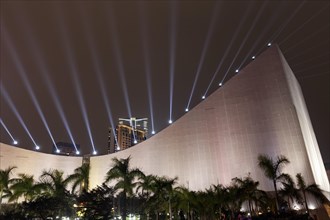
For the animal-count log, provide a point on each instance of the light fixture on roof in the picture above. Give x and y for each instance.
(37, 147)
(15, 142)
(77, 152)
(220, 84)
(269, 44)
(58, 151)
(170, 121)
(253, 57)
(187, 110)
(94, 152)
(203, 97)
(153, 132)
(236, 71)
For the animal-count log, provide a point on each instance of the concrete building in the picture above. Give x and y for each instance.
(261, 110)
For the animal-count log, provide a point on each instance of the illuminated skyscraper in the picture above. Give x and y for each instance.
(129, 132)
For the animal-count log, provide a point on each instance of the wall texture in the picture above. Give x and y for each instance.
(261, 110)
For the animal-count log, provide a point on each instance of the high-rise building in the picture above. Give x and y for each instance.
(128, 132)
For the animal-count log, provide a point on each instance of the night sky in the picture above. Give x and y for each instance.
(144, 55)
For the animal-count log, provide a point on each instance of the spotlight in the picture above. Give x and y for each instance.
(253, 57)
(58, 151)
(269, 44)
(170, 121)
(153, 132)
(37, 147)
(220, 84)
(15, 142)
(118, 148)
(236, 71)
(187, 109)
(77, 152)
(135, 141)
(94, 152)
(203, 97)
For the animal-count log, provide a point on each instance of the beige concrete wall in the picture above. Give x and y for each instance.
(33, 163)
(217, 140)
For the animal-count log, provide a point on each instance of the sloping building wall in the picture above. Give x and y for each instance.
(255, 112)
(261, 110)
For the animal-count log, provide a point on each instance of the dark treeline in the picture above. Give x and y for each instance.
(127, 191)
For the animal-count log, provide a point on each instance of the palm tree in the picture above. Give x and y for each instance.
(25, 186)
(5, 182)
(248, 188)
(80, 177)
(272, 170)
(54, 182)
(125, 177)
(289, 190)
(145, 187)
(312, 189)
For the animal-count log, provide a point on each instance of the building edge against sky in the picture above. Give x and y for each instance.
(261, 110)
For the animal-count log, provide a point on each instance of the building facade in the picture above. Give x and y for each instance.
(261, 110)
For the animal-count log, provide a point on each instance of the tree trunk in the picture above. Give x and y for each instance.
(170, 208)
(276, 196)
(124, 206)
(307, 210)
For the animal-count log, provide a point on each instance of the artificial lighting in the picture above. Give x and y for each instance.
(269, 44)
(153, 132)
(220, 84)
(58, 151)
(15, 142)
(37, 147)
(135, 141)
(203, 97)
(170, 121)
(253, 57)
(77, 152)
(187, 109)
(94, 152)
(236, 71)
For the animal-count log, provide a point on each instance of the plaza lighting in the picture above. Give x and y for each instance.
(11, 104)
(8, 132)
(27, 84)
(210, 31)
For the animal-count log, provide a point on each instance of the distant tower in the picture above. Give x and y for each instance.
(129, 132)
